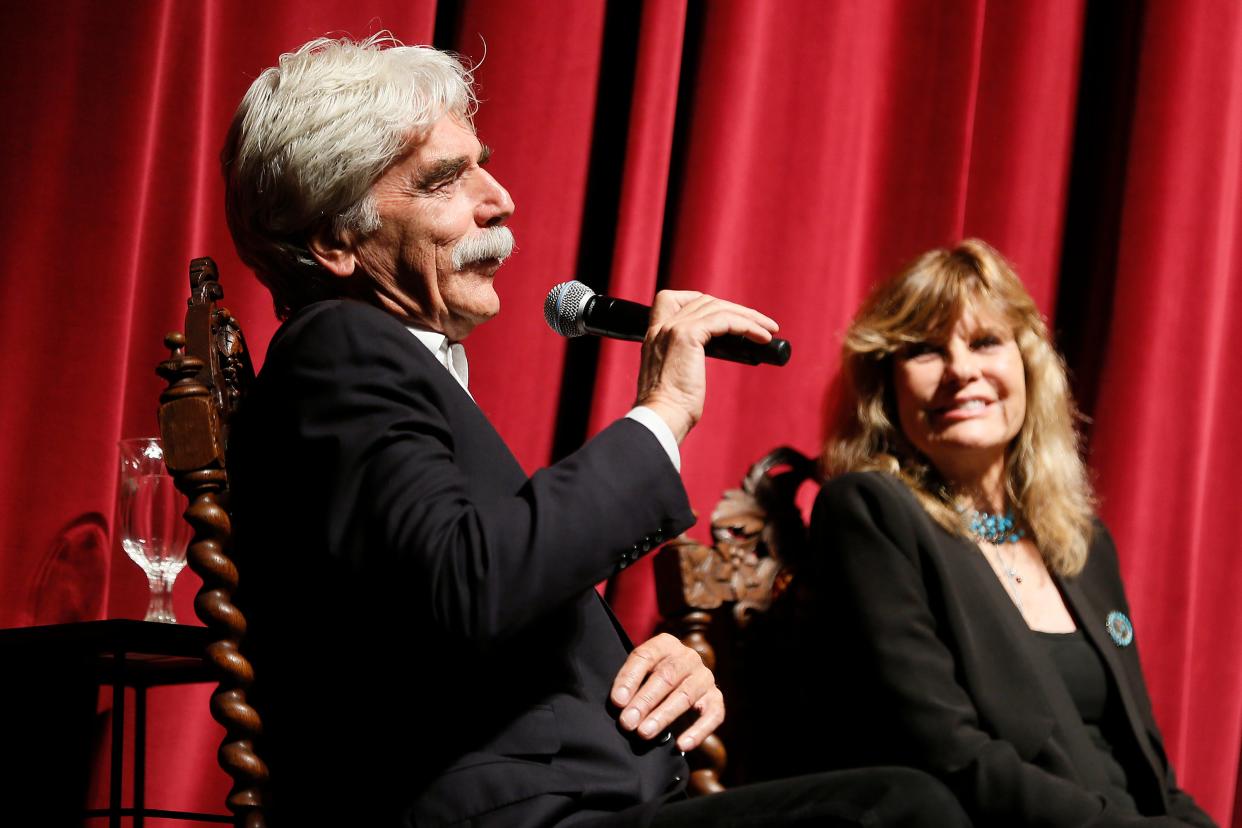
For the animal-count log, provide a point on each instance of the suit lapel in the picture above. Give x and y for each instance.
(621, 633)
(1091, 619)
(1006, 669)
(478, 449)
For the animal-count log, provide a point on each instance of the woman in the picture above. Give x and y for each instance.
(966, 584)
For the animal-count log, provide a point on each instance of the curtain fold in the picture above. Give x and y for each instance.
(538, 84)
(1165, 440)
(783, 155)
(641, 209)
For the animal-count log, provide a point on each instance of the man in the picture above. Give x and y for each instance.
(429, 647)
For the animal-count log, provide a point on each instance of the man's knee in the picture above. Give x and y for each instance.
(913, 797)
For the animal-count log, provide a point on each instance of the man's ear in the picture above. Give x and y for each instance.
(334, 253)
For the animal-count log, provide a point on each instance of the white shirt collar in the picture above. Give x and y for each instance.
(453, 357)
(449, 354)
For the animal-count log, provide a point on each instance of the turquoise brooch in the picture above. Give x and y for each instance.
(1120, 630)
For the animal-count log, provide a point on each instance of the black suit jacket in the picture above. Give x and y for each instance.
(946, 675)
(428, 646)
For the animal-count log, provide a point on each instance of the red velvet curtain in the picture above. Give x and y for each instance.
(785, 155)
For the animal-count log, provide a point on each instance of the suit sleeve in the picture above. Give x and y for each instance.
(478, 568)
(911, 706)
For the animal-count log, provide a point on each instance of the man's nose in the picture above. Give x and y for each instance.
(495, 205)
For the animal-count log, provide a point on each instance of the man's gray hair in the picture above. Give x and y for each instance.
(310, 138)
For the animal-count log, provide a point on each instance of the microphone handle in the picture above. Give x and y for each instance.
(618, 318)
(736, 348)
(629, 321)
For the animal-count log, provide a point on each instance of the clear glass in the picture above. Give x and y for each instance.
(153, 530)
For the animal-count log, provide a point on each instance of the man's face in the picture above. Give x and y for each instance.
(435, 199)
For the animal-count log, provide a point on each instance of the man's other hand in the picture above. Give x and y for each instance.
(661, 680)
(672, 380)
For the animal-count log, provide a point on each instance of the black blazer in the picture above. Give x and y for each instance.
(945, 675)
(428, 646)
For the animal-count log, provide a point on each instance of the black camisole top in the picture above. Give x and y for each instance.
(1083, 672)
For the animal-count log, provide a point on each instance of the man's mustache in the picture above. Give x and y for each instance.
(488, 243)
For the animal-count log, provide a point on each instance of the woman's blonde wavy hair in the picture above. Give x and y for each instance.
(1044, 475)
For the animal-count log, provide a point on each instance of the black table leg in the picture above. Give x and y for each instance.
(117, 770)
(140, 753)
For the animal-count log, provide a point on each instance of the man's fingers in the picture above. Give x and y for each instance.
(686, 695)
(672, 377)
(676, 680)
(653, 670)
(703, 318)
(641, 661)
(743, 321)
(713, 307)
(678, 306)
(711, 714)
(638, 716)
(670, 302)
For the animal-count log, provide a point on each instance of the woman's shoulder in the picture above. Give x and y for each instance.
(874, 489)
(1102, 552)
(872, 498)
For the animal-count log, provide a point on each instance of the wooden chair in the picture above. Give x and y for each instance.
(718, 599)
(207, 374)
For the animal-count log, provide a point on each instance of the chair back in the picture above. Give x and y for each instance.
(208, 372)
(717, 600)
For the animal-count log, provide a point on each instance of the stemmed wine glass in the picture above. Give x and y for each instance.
(153, 532)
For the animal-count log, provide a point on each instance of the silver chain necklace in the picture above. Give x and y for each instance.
(999, 531)
(1010, 571)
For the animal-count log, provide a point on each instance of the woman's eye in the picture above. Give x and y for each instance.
(986, 341)
(916, 350)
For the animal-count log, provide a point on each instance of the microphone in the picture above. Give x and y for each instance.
(573, 309)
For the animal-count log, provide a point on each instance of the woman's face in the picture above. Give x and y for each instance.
(961, 400)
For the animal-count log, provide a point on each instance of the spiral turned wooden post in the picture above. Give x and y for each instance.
(193, 423)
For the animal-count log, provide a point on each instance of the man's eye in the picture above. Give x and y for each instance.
(442, 188)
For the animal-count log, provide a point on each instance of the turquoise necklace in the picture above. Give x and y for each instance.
(994, 529)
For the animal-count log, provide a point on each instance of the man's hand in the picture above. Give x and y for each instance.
(672, 380)
(661, 680)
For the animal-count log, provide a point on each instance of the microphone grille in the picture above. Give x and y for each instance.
(562, 310)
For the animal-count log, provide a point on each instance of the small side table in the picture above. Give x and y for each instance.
(119, 653)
